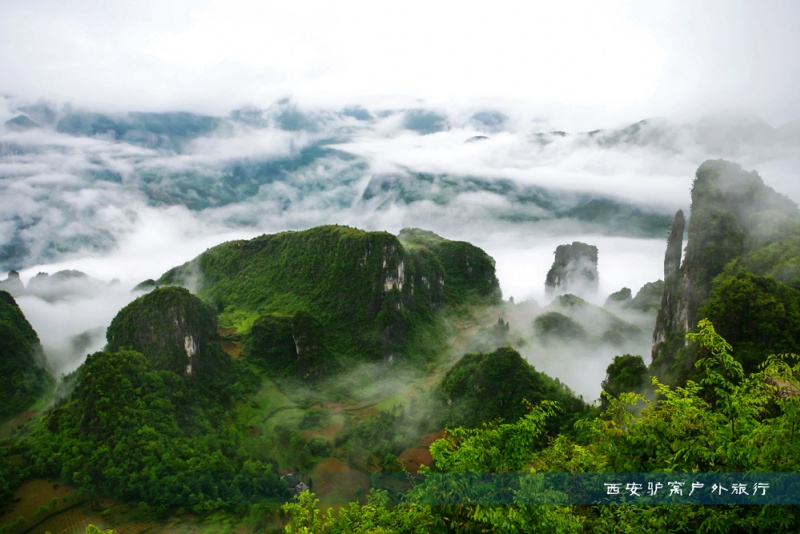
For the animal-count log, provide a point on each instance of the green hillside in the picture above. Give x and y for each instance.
(501, 385)
(23, 377)
(175, 330)
(370, 297)
(144, 434)
(317, 326)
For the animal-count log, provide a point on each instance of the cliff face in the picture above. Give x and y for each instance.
(372, 295)
(22, 363)
(733, 213)
(173, 329)
(469, 272)
(668, 319)
(574, 270)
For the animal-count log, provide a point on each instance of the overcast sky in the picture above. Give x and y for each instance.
(578, 64)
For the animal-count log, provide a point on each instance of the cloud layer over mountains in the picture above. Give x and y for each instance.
(129, 195)
(80, 183)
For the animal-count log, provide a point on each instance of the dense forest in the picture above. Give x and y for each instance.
(337, 380)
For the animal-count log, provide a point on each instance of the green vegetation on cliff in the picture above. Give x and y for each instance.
(779, 260)
(733, 213)
(468, 270)
(23, 377)
(368, 296)
(757, 315)
(739, 227)
(289, 346)
(648, 299)
(175, 330)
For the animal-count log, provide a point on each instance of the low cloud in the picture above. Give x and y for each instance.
(119, 210)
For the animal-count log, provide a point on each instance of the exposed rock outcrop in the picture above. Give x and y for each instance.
(733, 213)
(172, 328)
(667, 318)
(372, 295)
(574, 270)
(468, 270)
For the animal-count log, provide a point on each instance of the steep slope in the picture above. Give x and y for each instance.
(290, 346)
(757, 315)
(483, 387)
(666, 320)
(733, 212)
(22, 364)
(143, 434)
(733, 215)
(371, 297)
(779, 260)
(174, 329)
(574, 270)
(469, 272)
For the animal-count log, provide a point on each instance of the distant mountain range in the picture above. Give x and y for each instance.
(285, 160)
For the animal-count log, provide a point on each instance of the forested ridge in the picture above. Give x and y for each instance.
(394, 362)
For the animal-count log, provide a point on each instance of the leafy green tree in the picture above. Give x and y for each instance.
(726, 421)
(757, 315)
(138, 433)
(483, 387)
(376, 515)
(624, 373)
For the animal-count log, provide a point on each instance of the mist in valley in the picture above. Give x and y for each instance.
(559, 138)
(121, 172)
(128, 209)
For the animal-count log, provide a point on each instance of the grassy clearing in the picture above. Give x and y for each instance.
(269, 407)
(11, 425)
(241, 321)
(268, 397)
(335, 482)
(391, 402)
